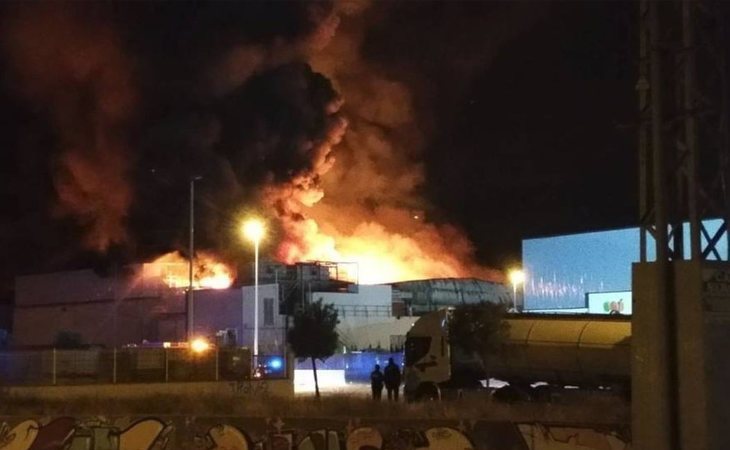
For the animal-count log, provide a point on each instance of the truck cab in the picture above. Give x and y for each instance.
(427, 357)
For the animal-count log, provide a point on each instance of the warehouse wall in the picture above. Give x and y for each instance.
(129, 309)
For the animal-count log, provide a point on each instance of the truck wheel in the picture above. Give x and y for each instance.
(542, 393)
(511, 394)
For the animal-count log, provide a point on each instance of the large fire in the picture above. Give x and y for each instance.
(382, 256)
(387, 242)
(360, 208)
(208, 271)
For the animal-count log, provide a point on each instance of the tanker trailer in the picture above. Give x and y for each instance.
(550, 350)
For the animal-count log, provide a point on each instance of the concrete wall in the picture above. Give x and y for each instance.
(234, 308)
(106, 322)
(276, 387)
(679, 348)
(84, 286)
(113, 432)
(113, 312)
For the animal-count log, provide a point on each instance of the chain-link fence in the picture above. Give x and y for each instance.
(134, 365)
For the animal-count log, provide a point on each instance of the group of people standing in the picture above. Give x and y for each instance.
(390, 377)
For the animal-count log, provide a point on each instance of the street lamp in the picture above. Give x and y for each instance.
(253, 230)
(189, 304)
(516, 277)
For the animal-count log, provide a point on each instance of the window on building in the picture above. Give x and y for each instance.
(268, 312)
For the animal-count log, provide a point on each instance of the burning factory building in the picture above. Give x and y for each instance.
(143, 303)
(146, 303)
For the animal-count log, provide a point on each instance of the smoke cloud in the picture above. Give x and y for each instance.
(73, 68)
(368, 208)
(275, 104)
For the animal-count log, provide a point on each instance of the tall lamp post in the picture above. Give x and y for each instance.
(189, 304)
(253, 230)
(516, 277)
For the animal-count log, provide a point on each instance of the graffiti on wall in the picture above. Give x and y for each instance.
(259, 387)
(68, 434)
(227, 437)
(538, 437)
(182, 433)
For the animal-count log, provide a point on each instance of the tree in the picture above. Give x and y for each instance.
(313, 334)
(479, 328)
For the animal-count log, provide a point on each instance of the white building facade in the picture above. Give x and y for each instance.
(366, 318)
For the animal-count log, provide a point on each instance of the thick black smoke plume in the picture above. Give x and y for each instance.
(131, 100)
(135, 99)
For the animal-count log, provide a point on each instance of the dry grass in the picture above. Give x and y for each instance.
(589, 410)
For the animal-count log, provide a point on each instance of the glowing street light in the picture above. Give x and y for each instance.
(199, 345)
(516, 277)
(254, 230)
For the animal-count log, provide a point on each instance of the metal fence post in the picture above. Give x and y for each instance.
(216, 363)
(53, 368)
(167, 369)
(114, 366)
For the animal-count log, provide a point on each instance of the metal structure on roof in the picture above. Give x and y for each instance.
(422, 296)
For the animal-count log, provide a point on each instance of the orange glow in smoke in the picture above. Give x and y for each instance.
(208, 271)
(369, 214)
(382, 256)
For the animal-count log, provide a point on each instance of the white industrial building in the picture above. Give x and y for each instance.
(138, 304)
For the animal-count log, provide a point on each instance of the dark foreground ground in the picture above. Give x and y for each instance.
(575, 409)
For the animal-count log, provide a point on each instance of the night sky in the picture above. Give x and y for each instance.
(524, 117)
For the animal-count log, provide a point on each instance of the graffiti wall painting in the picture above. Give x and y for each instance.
(249, 387)
(364, 438)
(540, 437)
(444, 438)
(236, 433)
(20, 437)
(69, 434)
(226, 437)
(320, 440)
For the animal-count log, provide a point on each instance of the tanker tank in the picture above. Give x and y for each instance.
(566, 350)
(424, 296)
(554, 351)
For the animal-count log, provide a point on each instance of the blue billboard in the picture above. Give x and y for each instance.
(561, 270)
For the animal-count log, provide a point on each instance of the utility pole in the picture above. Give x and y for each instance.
(680, 325)
(189, 304)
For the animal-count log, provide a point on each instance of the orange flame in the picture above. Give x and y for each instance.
(382, 256)
(208, 271)
(359, 209)
(387, 244)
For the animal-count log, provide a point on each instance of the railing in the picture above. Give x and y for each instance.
(364, 310)
(131, 365)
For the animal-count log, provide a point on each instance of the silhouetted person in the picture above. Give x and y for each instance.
(391, 377)
(376, 382)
